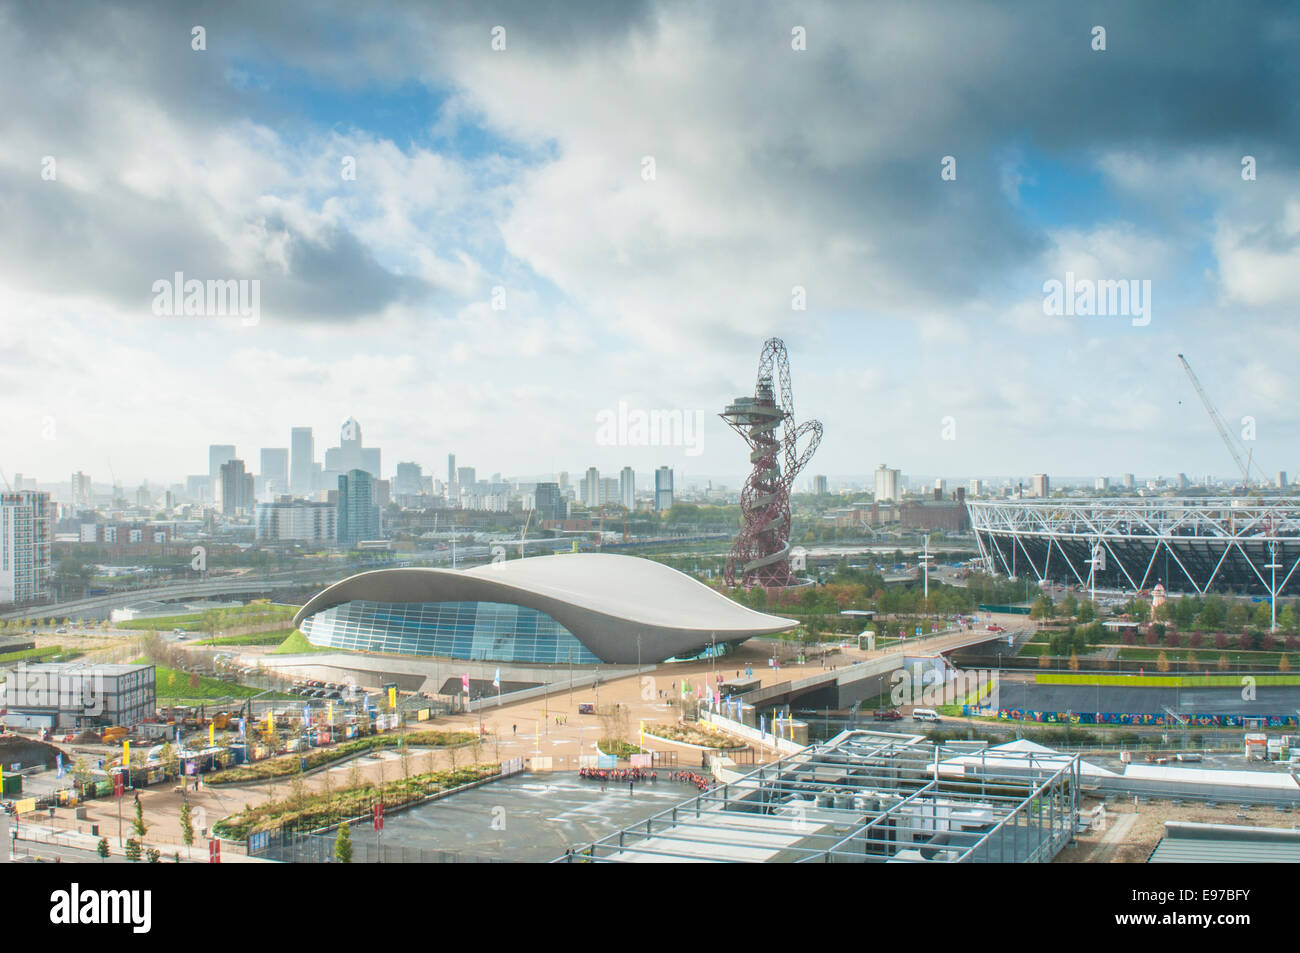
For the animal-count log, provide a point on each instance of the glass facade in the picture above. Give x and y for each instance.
(488, 631)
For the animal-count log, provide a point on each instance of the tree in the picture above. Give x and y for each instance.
(1263, 616)
(152, 855)
(1069, 605)
(1212, 613)
(1087, 611)
(1284, 663)
(133, 850)
(81, 776)
(171, 760)
(1223, 661)
(1074, 661)
(138, 825)
(1162, 661)
(1043, 607)
(187, 826)
(343, 844)
(102, 848)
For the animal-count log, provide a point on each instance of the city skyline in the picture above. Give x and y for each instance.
(489, 248)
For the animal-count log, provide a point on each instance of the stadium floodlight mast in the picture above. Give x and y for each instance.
(925, 558)
(1098, 561)
(1273, 566)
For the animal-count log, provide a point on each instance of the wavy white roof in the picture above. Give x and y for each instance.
(630, 587)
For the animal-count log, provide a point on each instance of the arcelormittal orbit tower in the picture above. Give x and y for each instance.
(761, 554)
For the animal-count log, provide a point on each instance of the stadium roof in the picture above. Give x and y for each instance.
(1187, 544)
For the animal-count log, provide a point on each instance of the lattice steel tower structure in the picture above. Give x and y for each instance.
(761, 554)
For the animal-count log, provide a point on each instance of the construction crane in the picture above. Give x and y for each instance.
(1242, 465)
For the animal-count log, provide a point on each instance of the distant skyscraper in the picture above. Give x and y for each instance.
(627, 488)
(1127, 480)
(549, 502)
(820, 486)
(887, 483)
(1040, 485)
(976, 488)
(358, 513)
(1103, 483)
(608, 491)
(451, 478)
(408, 480)
(219, 453)
(275, 471)
(466, 480)
(591, 487)
(1281, 479)
(300, 467)
(350, 454)
(81, 494)
(26, 541)
(236, 488)
(663, 489)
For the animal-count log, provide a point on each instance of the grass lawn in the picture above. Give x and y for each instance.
(172, 684)
(190, 621)
(297, 644)
(1210, 656)
(253, 638)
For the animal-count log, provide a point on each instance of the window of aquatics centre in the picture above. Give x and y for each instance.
(486, 631)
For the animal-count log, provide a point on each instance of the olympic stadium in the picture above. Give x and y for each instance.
(1194, 545)
(580, 608)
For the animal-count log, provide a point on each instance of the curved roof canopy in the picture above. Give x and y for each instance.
(605, 600)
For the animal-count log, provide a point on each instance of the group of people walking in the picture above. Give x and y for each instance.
(631, 775)
(690, 777)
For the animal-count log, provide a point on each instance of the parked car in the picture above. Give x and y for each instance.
(925, 714)
(886, 714)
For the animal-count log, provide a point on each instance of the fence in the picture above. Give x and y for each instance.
(302, 847)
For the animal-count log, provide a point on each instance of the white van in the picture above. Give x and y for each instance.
(925, 714)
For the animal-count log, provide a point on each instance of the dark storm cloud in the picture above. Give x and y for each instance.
(331, 276)
(927, 80)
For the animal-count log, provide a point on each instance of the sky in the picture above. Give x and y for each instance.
(476, 226)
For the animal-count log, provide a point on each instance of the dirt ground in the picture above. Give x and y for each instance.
(1129, 832)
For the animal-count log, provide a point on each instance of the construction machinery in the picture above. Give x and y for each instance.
(1242, 465)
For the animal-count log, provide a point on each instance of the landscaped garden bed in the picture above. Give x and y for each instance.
(292, 764)
(309, 811)
(696, 735)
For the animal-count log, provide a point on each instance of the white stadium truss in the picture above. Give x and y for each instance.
(1188, 545)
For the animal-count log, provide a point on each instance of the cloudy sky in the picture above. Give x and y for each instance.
(618, 206)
